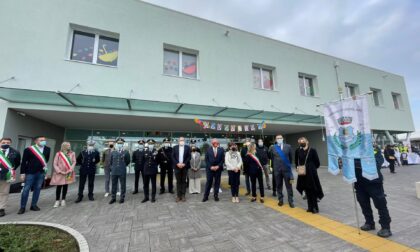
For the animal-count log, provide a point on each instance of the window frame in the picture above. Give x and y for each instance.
(398, 96)
(379, 97)
(181, 51)
(314, 82)
(97, 34)
(262, 68)
(349, 85)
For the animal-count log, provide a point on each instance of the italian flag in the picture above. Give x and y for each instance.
(35, 150)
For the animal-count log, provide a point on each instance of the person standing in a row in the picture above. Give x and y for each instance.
(280, 154)
(309, 183)
(106, 161)
(262, 155)
(150, 170)
(33, 171)
(87, 159)
(63, 173)
(166, 168)
(138, 160)
(181, 156)
(233, 163)
(255, 171)
(10, 161)
(120, 159)
(194, 172)
(215, 157)
(244, 151)
(389, 154)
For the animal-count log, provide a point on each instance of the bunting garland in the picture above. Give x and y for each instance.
(230, 127)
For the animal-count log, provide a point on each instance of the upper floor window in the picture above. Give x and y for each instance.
(377, 97)
(94, 48)
(307, 85)
(352, 89)
(181, 63)
(263, 77)
(396, 98)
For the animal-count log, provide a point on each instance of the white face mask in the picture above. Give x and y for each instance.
(261, 144)
(181, 143)
(279, 141)
(90, 148)
(151, 146)
(166, 145)
(141, 147)
(120, 146)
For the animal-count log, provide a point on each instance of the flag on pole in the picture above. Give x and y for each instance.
(349, 137)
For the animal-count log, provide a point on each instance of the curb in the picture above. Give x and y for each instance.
(81, 241)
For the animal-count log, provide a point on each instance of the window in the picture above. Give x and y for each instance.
(263, 78)
(377, 97)
(180, 63)
(396, 98)
(352, 89)
(307, 85)
(94, 48)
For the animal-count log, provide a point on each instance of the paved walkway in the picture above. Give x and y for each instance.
(224, 226)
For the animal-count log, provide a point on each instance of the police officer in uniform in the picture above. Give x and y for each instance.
(120, 159)
(373, 189)
(138, 160)
(165, 164)
(87, 160)
(150, 170)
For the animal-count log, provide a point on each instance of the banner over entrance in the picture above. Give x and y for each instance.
(349, 137)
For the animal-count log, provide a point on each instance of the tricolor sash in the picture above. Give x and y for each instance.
(256, 160)
(5, 162)
(66, 159)
(35, 150)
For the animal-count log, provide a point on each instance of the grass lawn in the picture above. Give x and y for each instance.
(35, 238)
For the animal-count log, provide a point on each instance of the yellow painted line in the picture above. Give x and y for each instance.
(350, 234)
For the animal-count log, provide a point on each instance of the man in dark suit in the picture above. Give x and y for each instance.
(166, 167)
(33, 171)
(215, 157)
(138, 160)
(87, 160)
(281, 155)
(181, 156)
(9, 162)
(150, 170)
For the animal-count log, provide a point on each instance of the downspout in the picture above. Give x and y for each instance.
(390, 137)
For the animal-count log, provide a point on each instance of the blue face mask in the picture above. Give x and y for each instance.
(120, 146)
(5, 146)
(43, 143)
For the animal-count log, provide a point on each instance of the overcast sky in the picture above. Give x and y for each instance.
(384, 34)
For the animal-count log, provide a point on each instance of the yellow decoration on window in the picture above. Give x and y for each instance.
(108, 57)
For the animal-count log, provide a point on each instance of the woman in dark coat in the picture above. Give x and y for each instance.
(255, 172)
(309, 182)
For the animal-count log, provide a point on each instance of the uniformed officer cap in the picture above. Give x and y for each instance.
(166, 140)
(120, 139)
(141, 141)
(151, 141)
(91, 142)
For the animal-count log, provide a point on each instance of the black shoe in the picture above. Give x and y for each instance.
(216, 198)
(112, 201)
(315, 211)
(135, 192)
(247, 193)
(153, 200)
(384, 233)
(161, 192)
(2, 213)
(280, 203)
(121, 201)
(79, 199)
(91, 198)
(274, 194)
(261, 200)
(21, 211)
(368, 227)
(144, 200)
(291, 205)
(309, 210)
(171, 192)
(35, 208)
(205, 199)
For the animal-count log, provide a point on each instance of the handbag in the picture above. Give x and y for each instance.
(301, 169)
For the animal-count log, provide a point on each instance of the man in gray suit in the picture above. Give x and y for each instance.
(120, 159)
(281, 157)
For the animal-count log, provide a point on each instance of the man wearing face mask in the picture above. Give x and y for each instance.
(281, 155)
(9, 162)
(120, 159)
(215, 158)
(165, 164)
(150, 170)
(244, 152)
(181, 157)
(87, 159)
(33, 172)
(138, 160)
(262, 155)
(106, 161)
